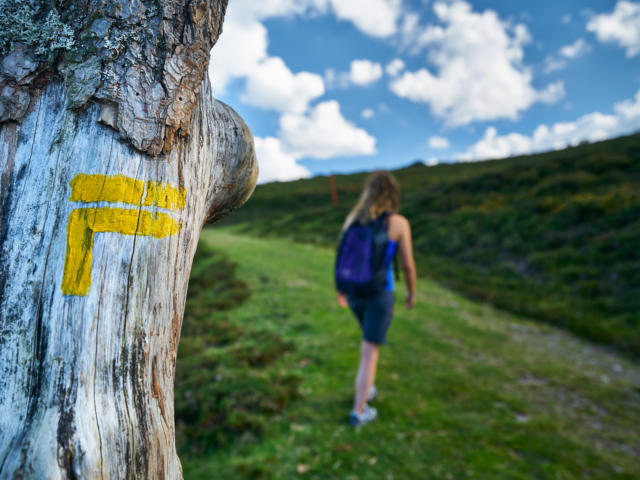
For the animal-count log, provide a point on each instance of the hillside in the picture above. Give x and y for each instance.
(554, 236)
(265, 372)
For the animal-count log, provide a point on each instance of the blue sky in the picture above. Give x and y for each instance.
(332, 86)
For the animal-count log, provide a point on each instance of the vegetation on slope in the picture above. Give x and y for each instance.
(225, 384)
(465, 391)
(554, 236)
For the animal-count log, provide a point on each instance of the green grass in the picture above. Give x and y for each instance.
(466, 391)
(224, 389)
(554, 236)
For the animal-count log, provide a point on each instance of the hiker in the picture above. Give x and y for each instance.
(371, 234)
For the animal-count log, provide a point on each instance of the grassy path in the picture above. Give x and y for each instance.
(465, 391)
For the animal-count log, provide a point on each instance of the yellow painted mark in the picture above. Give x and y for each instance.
(103, 188)
(164, 195)
(84, 223)
(118, 188)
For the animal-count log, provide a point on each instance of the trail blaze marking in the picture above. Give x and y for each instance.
(84, 223)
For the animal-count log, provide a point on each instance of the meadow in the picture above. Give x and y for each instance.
(553, 236)
(266, 364)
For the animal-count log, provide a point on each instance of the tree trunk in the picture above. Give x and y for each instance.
(96, 243)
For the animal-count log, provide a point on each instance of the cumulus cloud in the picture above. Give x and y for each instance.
(364, 72)
(228, 61)
(629, 110)
(622, 26)
(552, 93)
(319, 132)
(493, 145)
(272, 85)
(438, 143)
(275, 164)
(591, 127)
(263, 9)
(576, 49)
(394, 67)
(242, 47)
(377, 18)
(324, 133)
(241, 51)
(478, 62)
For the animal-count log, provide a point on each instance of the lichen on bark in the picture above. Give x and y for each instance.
(142, 60)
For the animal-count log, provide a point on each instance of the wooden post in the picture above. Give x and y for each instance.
(108, 175)
(334, 190)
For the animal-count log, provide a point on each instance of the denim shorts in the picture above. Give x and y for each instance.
(374, 315)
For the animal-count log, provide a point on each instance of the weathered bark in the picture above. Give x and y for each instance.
(96, 243)
(142, 61)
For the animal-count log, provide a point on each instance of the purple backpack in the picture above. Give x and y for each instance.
(360, 263)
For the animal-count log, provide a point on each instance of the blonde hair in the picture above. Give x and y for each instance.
(380, 194)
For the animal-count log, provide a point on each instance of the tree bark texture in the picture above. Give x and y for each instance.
(97, 236)
(141, 61)
(87, 367)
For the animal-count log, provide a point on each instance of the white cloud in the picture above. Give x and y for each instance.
(324, 133)
(493, 145)
(576, 49)
(622, 26)
(591, 127)
(410, 31)
(275, 163)
(552, 64)
(571, 51)
(432, 161)
(272, 85)
(394, 67)
(438, 143)
(552, 93)
(364, 72)
(566, 18)
(241, 52)
(229, 61)
(368, 113)
(629, 110)
(478, 59)
(263, 9)
(377, 18)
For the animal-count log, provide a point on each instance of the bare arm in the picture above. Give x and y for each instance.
(400, 231)
(342, 300)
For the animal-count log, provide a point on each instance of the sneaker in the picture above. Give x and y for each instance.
(368, 416)
(373, 393)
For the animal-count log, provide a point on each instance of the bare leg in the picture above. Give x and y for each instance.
(366, 374)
